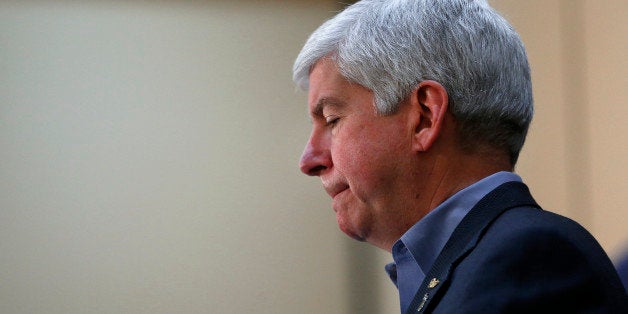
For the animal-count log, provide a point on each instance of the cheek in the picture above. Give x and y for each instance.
(367, 165)
(355, 155)
(369, 155)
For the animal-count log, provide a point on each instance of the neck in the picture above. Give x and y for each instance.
(440, 178)
(450, 176)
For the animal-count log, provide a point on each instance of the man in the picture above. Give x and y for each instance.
(419, 110)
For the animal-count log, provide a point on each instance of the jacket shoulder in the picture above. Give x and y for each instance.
(528, 260)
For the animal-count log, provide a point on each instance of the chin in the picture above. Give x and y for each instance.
(351, 232)
(354, 236)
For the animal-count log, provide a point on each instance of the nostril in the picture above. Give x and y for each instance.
(316, 170)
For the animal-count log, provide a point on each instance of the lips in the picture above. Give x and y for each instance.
(335, 189)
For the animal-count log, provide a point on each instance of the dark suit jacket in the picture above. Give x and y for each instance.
(509, 256)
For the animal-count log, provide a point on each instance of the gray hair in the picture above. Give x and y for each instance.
(390, 46)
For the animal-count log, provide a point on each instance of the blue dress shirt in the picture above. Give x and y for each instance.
(417, 249)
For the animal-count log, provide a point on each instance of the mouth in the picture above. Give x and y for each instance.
(336, 189)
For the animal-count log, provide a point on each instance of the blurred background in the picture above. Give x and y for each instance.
(149, 149)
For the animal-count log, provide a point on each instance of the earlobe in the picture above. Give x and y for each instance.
(430, 101)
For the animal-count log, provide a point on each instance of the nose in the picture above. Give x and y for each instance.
(316, 156)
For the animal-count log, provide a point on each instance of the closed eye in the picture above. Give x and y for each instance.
(331, 120)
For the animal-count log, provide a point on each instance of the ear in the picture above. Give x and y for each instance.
(430, 101)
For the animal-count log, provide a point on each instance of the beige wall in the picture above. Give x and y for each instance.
(606, 94)
(575, 156)
(149, 154)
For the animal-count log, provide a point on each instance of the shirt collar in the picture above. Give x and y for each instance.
(429, 235)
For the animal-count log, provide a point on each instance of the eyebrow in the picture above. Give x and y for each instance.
(327, 102)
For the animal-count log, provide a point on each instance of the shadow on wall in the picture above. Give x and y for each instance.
(622, 268)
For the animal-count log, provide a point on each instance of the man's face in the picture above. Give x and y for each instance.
(359, 155)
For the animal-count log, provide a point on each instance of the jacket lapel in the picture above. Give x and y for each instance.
(466, 235)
